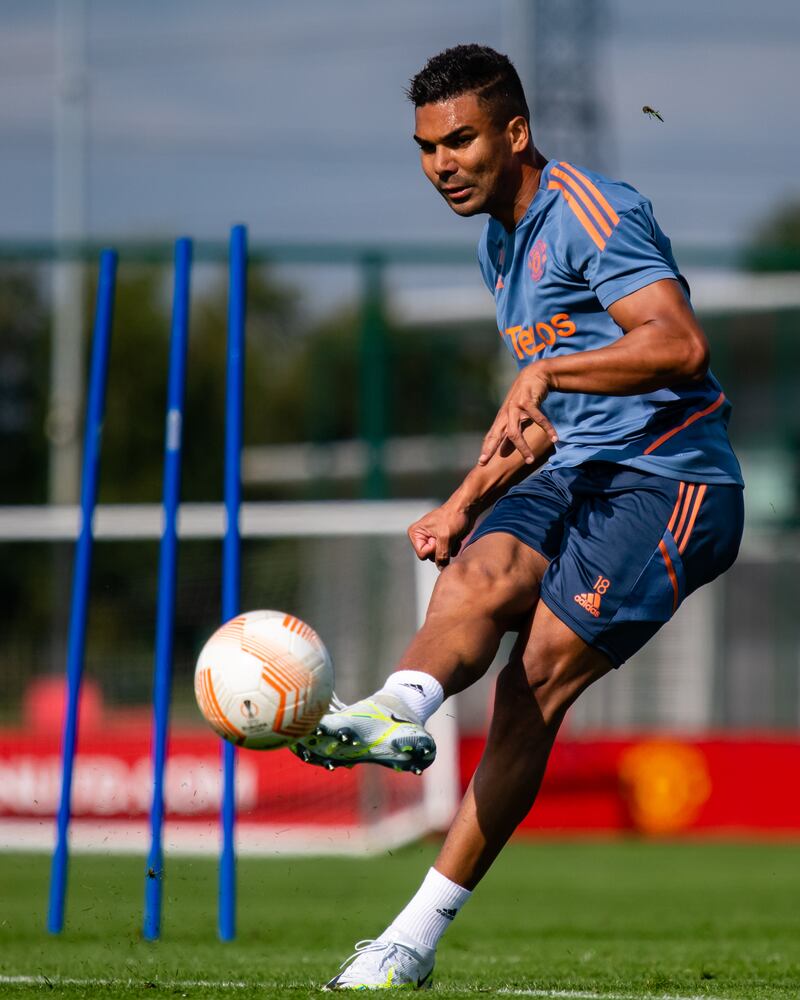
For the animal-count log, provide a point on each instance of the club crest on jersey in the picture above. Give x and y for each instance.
(537, 259)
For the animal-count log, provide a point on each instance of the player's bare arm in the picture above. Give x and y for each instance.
(438, 535)
(663, 346)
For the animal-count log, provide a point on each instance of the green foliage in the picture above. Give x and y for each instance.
(134, 427)
(440, 381)
(24, 594)
(24, 324)
(775, 245)
(436, 380)
(327, 368)
(624, 919)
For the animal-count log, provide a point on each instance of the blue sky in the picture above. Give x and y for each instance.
(290, 115)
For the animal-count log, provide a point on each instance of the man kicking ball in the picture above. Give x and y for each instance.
(637, 501)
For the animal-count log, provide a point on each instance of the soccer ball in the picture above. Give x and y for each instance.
(264, 679)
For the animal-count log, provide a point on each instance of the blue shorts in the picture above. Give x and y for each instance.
(625, 547)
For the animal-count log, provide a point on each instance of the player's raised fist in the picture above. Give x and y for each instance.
(438, 535)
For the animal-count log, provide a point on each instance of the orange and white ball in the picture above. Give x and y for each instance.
(264, 679)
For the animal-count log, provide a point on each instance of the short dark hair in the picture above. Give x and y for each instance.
(471, 68)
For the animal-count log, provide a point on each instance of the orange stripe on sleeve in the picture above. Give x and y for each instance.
(671, 571)
(584, 197)
(685, 540)
(594, 190)
(690, 420)
(681, 488)
(582, 217)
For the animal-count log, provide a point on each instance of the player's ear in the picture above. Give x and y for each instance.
(519, 134)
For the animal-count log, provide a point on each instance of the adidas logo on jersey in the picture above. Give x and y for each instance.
(589, 602)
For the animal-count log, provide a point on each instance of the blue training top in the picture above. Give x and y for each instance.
(584, 243)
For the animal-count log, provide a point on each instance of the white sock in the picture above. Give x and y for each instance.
(422, 693)
(431, 911)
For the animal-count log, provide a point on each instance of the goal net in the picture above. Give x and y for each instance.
(345, 567)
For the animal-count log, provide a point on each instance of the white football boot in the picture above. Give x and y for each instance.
(385, 964)
(377, 730)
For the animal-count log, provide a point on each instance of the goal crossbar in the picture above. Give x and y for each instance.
(121, 522)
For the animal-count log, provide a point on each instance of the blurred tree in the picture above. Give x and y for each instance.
(438, 381)
(775, 244)
(134, 426)
(24, 589)
(24, 325)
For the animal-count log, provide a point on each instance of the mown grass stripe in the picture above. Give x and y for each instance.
(173, 984)
(233, 984)
(584, 995)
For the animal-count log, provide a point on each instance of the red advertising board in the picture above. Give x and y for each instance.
(281, 801)
(665, 785)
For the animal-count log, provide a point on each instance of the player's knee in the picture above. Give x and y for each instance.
(474, 581)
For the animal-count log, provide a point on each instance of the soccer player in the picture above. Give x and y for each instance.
(636, 503)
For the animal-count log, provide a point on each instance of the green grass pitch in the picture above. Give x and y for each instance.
(576, 920)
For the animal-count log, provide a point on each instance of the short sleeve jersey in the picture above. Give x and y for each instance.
(584, 243)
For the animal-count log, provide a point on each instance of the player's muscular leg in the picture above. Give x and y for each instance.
(549, 669)
(491, 586)
(483, 593)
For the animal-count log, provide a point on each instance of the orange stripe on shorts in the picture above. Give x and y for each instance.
(662, 548)
(701, 492)
(687, 503)
(681, 488)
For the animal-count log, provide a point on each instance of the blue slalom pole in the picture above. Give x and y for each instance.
(167, 582)
(234, 413)
(76, 643)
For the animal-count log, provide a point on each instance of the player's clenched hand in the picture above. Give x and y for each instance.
(520, 408)
(438, 535)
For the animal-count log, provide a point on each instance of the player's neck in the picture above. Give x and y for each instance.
(531, 167)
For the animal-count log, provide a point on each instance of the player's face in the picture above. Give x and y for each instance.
(468, 159)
